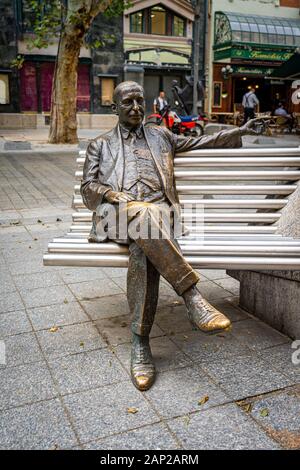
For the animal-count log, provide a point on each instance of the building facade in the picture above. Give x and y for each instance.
(249, 39)
(27, 89)
(152, 44)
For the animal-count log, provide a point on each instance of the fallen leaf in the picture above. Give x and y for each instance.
(35, 239)
(187, 420)
(81, 343)
(176, 302)
(58, 219)
(132, 410)
(39, 221)
(247, 407)
(185, 337)
(264, 412)
(123, 324)
(66, 301)
(203, 400)
(53, 329)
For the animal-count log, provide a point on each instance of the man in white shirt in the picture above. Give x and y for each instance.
(160, 103)
(250, 101)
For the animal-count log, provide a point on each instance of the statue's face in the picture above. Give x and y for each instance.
(131, 107)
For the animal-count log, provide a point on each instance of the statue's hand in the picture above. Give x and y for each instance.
(255, 126)
(114, 197)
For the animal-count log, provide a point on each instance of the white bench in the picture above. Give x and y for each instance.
(242, 191)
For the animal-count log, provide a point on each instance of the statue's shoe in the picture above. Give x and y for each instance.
(205, 317)
(142, 367)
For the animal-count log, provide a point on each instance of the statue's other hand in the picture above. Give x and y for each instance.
(255, 126)
(115, 197)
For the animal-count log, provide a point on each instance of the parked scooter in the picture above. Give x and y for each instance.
(186, 125)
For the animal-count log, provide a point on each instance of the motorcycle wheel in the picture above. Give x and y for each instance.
(197, 131)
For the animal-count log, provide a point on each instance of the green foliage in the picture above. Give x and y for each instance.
(17, 62)
(47, 19)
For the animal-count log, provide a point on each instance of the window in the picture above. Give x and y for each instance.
(4, 88)
(107, 91)
(217, 94)
(28, 17)
(178, 26)
(158, 21)
(137, 22)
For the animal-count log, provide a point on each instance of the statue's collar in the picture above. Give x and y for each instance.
(125, 132)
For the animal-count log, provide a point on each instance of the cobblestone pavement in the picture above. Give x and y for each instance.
(66, 380)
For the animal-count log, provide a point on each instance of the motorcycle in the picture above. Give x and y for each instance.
(186, 125)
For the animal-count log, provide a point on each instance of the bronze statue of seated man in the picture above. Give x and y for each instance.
(128, 172)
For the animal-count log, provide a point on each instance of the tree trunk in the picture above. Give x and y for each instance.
(63, 128)
(63, 123)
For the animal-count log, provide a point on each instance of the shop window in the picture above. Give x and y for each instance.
(158, 21)
(4, 88)
(178, 26)
(137, 22)
(107, 91)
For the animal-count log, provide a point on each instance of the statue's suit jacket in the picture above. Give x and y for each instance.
(104, 164)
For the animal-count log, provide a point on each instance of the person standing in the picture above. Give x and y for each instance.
(160, 103)
(249, 103)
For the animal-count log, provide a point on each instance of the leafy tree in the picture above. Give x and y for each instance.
(71, 21)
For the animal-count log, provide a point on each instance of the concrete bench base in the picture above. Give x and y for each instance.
(272, 296)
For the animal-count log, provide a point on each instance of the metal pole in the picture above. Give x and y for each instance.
(196, 54)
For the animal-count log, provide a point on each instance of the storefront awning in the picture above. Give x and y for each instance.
(290, 70)
(255, 29)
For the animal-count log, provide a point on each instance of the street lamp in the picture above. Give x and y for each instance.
(226, 71)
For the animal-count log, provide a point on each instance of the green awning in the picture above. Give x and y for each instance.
(290, 69)
(237, 28)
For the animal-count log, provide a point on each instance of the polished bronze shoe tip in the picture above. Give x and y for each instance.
(219, 323)
(143, 382)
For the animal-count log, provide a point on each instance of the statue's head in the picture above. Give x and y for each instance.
(129, 104)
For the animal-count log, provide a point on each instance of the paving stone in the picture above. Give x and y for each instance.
(106, 307)
(278, 414)
(153, 437)
(10, 302)
(223, 427)
(87, 370)
(37, 426)
(70, 339)
(25, 384)
(94, 290)
(115, 272)
(211, 291)
(29, 267)
(285, 359)
(257, 335)
(116, 330)
(6, 282)
(213, 273)
(21, 349)
(57, 315)
(75, 275)
(173, 319)
(165, 353)
(104, 411)
(121, 282)
(38, 280)
(47, 296)
(205, 347)
(246, 376)
(13, 323)
(230, 284)
(178, 392)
